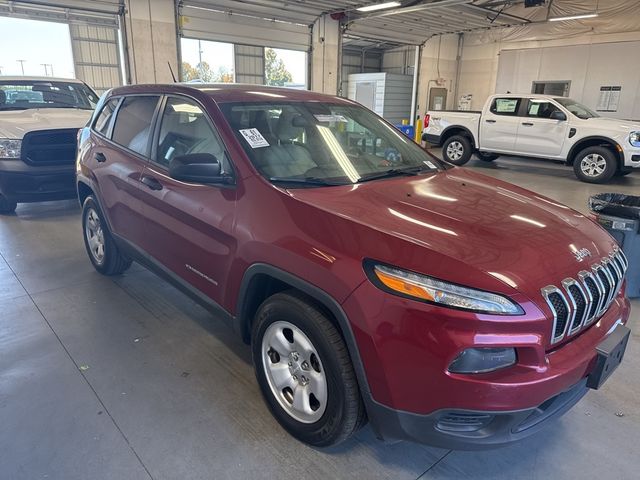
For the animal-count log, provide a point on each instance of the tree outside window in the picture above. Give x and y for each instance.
(275, 71)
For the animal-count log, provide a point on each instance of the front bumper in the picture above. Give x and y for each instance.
(406, 348)
(631, 157)
(20, 182)
(473, 429)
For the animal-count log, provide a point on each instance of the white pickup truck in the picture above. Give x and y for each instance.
(538, 126)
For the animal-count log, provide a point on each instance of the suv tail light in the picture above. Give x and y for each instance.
(427, 117)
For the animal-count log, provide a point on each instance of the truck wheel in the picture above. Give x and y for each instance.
(486, 156)
(7, 206)
(305, 372)
(457, 150)
(102, 250)
(595, 165)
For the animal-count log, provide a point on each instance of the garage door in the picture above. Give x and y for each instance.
(94, 35)
(200, 19)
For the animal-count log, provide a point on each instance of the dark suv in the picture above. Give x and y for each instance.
(371, 280)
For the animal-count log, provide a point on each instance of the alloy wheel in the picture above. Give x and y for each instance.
(455, 150)
(593, 165)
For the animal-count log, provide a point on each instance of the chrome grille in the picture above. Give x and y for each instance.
(582, 301)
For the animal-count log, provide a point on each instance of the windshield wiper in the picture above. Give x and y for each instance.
(304, 181)
(394, 172)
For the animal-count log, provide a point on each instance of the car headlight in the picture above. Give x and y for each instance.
(431, 290)
(634, 139)
(10, 148)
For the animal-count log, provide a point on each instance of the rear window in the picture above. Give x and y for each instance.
(133, 123)
(505, 106)
(104, 119)
(31, 94)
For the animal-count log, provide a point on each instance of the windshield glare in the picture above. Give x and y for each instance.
(341, 144)
(576, 108)
(25, 94)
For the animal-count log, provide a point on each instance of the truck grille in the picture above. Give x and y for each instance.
(580, 302)
(50, 147)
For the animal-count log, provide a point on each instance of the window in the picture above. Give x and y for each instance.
(185, 129)
(285, 68)
(28, 94)
(133, 123)
(559, 88)
(322, 143)
(505, 106)
(104, 119)
(541, 109)
(576, 108)
(205, 61)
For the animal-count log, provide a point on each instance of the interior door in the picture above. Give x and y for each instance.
(120, 152)
(538, 133)
(189, 225)
(499, 125)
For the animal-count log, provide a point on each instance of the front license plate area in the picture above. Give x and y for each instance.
(610, 355)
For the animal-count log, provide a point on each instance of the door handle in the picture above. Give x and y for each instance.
(100, 158)
(527, 124)
(490, 121)
(151, 182)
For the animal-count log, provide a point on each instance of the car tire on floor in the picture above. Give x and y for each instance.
(102, 250)
(595, 165)
(457, 150)
(305, 372)
(6, 206)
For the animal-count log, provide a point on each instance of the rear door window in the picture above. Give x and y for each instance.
(505, 106)
(104, 119)
(132, 128)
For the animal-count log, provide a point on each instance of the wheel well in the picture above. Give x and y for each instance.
(83, 192)
(595, 142)
(261, 287)
(458, 131)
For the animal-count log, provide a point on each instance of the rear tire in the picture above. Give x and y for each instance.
(102, 250)
(457, 150)
(487, 156)
(304, 371)
(595, 165)
(6, 206)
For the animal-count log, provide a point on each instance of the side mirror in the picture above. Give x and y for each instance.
(558, 115)
(197, 168)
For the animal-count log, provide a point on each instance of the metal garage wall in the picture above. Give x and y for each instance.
(207, 24)
(249, 64)
(96, 56)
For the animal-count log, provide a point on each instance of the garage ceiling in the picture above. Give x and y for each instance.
(410, 24)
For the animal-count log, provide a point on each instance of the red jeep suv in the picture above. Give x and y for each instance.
(372, 281)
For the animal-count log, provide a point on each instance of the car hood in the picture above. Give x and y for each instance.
(467, 227)
(16, 123)
(624, 126)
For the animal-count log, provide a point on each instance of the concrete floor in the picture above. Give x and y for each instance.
(126, 378)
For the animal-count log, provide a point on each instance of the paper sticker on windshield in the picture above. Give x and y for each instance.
(254, 138)
(331, 118)
(430, 164)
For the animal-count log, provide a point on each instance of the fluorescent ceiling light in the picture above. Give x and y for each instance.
(378, 6)
(573, 17)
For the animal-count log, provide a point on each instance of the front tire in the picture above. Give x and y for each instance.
(457, 150)
(7, 207)
(304, 371)
(102, 250)
(595, 165)
(487, 156)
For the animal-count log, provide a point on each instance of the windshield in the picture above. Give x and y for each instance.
(316, 144)
(25, 94)
(576, 108)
